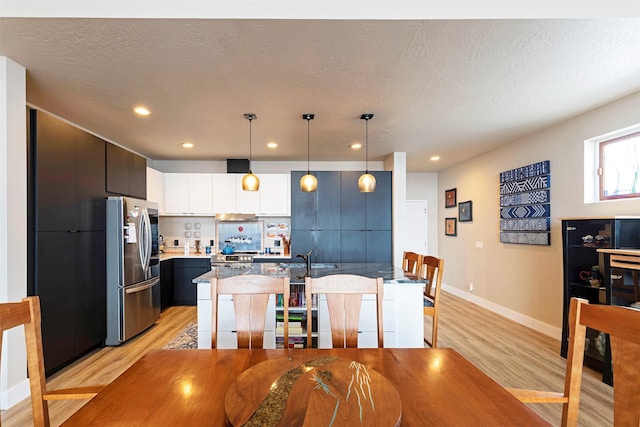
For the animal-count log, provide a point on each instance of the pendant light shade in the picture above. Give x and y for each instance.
(367, 182)
(308, 183)
(250, 182)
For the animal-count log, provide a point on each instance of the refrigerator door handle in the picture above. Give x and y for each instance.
(142, 241)
(143, 286)
(147, 241)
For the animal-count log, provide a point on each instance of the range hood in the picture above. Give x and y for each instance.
(235, 217)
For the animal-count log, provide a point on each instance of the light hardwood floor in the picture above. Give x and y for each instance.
(513, 355)
(517, 356)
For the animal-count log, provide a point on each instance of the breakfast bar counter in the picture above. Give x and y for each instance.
(402, 311)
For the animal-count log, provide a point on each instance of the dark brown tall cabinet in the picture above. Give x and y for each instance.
(67, 202)
(581, 240)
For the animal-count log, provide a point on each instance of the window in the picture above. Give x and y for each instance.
(619, 167)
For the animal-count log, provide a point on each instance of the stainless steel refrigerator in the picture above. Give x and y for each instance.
(133, 268)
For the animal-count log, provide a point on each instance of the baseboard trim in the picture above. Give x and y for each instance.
(15, 395)
(527, 321)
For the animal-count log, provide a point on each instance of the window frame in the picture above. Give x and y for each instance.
(601, 166)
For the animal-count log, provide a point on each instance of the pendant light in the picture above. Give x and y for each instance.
(250, 182)
(366, 182)
(308, 183)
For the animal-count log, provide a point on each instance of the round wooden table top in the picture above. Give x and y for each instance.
(312, 391)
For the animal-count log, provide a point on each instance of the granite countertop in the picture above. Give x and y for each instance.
(389, 273)
(180, 254)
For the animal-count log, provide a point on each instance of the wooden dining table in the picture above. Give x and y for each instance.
(435, 387)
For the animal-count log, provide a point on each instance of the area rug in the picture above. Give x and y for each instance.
(187, 338)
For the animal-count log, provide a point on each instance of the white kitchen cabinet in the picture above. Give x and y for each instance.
(155, 188)
(188, 194)
(206, 194)
(224, 193)
(274, 195)
(247, 202)
(176, 196)
(200, 193)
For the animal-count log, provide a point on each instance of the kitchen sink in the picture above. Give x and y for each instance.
(314, 265)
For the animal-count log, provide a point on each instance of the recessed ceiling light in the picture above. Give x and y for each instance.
(187, 145)
(143, 111)
(272, 145)
(356, 146)
(435, 158)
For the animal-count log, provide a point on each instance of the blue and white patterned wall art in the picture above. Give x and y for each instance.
(525, 208)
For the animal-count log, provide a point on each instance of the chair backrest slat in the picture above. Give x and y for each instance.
(344, 300)
(250, 295)
(623, 326)
(411, 262)
(27, 313)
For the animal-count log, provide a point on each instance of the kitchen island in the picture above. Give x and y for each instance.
(401, 309)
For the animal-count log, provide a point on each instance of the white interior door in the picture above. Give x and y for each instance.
(416, 239)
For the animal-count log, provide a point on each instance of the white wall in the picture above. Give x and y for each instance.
(521, 281)
(13, 223)
(216, 166)
(424, 186)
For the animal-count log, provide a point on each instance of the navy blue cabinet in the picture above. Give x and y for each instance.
(166, 283)
(184, 271)
(338, 222)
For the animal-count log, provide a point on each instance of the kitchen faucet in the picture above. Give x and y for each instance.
(307, 258)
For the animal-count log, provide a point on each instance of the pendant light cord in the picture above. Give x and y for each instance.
(250, 120)
(308, 155)
(366, 138)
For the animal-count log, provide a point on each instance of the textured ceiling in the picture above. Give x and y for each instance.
(453, 88)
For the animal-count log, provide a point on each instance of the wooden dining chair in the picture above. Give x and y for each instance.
(623, 326)
(344, 300)
(27, 313)
(411, 262)
(250, 295)
(430, 270)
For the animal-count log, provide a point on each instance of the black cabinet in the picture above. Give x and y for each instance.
(69, 168)
(581, 240)
(338, 222)
(166, 283)
(67, 255)
(184, 271)
(126, 172)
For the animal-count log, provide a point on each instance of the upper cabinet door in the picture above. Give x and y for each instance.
(274, 194)
(379, 203)
(126, 172)
(328, 215)
(155, 188)
(303, 205)
(247, 201)
(200, 193)
(224, 193)
(55, 148)
(176, 194)
(353, 202)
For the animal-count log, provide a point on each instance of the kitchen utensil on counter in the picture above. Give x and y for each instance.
(228, 250)
(197, 246)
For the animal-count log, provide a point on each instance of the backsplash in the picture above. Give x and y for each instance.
(174, 228)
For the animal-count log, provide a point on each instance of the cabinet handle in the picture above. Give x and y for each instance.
(571, 228)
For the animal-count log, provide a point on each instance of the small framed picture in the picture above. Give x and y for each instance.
(450, 198)
(465, 213)
(450, 227)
